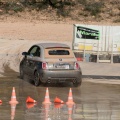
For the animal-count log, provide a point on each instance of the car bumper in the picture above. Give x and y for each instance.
(53, 76)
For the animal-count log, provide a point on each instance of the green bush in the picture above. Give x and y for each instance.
(69, 3)
(83, 2)
(17, 8)
(63, 12)
(94, 8)
(14, 6)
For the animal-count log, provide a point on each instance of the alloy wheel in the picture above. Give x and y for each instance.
(36, 79)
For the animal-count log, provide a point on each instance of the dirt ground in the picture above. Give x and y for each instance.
(36, 31)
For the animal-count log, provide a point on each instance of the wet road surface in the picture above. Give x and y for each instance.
(94, 101)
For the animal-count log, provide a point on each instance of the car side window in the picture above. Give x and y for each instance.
(33, 51)
(38, 52)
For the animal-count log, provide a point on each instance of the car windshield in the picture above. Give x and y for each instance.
(58, 52)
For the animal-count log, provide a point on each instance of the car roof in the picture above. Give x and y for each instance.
(52, 45)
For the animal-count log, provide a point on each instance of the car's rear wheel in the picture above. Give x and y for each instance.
(36, 79)
(21, 73)
(76, 83)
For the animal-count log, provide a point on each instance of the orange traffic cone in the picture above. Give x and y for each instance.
(46, 108)
(0, 101)
(69, 117)
(70, 98)
(13, 97)
(30, 100)
(30, 105)
(58, 105)
(47, 99)
(58, 100)
(70, 108)
(13, 107)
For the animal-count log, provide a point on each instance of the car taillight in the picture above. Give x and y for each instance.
(76, 66)
(44, 65)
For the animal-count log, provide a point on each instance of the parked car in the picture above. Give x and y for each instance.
(51, 63)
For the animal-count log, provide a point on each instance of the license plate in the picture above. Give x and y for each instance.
(63, 66)
(66, 66)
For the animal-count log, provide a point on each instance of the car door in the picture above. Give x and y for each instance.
(35, 61)
(31, 60)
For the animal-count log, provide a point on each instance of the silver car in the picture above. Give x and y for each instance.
(51, 63)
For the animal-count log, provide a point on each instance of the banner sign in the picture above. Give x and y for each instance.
(96, 38)
(87, 33)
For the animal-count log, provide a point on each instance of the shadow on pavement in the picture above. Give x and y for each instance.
(65, 84)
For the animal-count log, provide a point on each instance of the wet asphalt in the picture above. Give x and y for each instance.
(93, 101)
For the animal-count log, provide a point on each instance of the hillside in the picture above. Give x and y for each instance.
(85, 11)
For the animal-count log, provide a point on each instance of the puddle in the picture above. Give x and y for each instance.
(63, 112)
(94, 101)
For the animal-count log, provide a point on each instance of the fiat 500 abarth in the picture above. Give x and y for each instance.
(51, 63)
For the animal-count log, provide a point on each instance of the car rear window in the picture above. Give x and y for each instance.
(58, 52)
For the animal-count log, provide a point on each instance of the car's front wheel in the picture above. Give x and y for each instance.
(36, 79)
(21, 73)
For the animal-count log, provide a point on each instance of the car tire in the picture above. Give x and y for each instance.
(36, 79)
(77, 84)
(21, 73)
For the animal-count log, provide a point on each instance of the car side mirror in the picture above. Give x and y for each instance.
(31, 55)
(24, 53)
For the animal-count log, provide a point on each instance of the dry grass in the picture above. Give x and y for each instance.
(79, 10)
